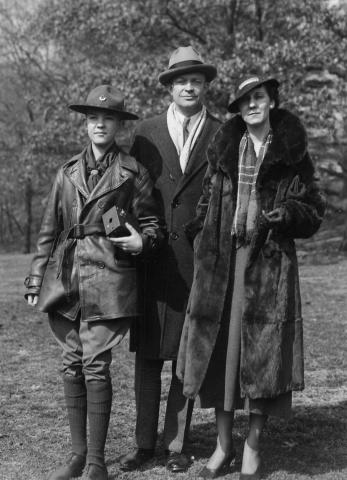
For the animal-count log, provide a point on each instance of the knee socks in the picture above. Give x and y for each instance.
(99, 400)
(76, 404)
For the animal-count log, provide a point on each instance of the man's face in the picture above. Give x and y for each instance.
(255, 106)
(188, 91)
(102, 127)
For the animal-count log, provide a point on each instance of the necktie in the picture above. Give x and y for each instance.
(185, 129)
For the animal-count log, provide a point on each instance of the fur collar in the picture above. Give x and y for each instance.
(288, 146)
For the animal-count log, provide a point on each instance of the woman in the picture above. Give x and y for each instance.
(242, 345)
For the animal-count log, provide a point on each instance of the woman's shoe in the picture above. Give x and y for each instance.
(251, 476)
(221, 470)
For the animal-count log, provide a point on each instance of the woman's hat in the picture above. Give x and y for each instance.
(186, 60)
(105, 97)
(246, 85)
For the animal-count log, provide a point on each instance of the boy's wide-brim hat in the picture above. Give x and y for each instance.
(186, 60)
(105, 97)
(246, 85)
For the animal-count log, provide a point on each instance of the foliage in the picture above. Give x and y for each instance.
(77, 45)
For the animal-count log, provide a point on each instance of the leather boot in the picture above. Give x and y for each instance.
(72, 469)
(96, 472)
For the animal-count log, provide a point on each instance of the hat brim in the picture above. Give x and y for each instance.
(85, 109)
(233, 106)
(209, 71)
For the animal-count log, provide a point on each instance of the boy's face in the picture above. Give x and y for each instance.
(102, 127)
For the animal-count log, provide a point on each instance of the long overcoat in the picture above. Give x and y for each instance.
(89, 273)
(271, 360)
(169, 277)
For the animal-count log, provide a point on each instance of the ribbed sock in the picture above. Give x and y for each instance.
(99, 401)
(76, 404)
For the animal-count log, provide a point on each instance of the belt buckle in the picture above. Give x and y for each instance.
(79, 232)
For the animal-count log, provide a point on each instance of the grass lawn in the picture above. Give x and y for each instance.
(34, 435)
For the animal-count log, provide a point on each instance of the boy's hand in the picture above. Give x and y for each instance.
(32, 299)
(131, 244)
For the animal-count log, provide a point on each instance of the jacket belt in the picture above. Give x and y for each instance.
(77, 232)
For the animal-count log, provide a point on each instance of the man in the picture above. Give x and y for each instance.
(87, 282)
(172, 147)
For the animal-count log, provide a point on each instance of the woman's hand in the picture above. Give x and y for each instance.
(275, 217)
(130, 244)
(32, 299)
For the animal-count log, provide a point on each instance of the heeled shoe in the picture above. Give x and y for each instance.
(251, 476)
(221, 470)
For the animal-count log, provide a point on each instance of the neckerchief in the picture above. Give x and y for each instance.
(246, 204)
(96, 169)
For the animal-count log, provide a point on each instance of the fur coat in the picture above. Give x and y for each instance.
(271, 360)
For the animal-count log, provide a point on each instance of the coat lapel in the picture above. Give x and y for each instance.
(166, 146)
(77, 175)
(197, 159)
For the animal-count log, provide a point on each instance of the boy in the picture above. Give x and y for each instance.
(87, 282)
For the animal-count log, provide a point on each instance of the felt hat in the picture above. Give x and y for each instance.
(105, 97)
(246, 85)
(186, 60)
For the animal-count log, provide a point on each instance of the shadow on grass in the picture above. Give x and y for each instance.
(312, 442)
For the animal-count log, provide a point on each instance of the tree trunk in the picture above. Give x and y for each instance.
(28, 198)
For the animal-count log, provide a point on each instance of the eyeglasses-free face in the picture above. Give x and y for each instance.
(188, 92)
(255, 106)
(102, 127)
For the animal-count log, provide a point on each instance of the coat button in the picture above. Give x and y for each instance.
(74, 202)
(172, 178)
(174, 236)
(176, 203)
(100, 264)
(101, 203)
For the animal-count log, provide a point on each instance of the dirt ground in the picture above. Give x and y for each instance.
(34, 434)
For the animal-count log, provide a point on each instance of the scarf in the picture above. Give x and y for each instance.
(96, 169)
(246, 205)
(176, 131)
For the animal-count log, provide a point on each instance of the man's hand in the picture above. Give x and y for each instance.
(32, 299)
(275, 217)
(131, 244)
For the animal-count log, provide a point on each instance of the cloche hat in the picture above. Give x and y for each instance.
(186, 60)
(105, 97)
(246, 85)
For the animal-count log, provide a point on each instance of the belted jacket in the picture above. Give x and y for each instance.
(76, 267)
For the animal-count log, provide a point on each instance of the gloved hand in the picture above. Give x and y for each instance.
(275, 217)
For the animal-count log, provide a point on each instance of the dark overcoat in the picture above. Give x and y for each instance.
(169, 277)
(89, 273)
(271, 360)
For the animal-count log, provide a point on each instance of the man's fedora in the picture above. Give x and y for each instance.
(105, 97)
(246, 85)
(186, 60)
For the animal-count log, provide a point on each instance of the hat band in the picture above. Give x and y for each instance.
(186, 63)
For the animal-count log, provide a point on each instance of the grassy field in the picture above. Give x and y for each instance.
(34, 435)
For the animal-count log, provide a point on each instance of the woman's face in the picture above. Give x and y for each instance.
(255, 107)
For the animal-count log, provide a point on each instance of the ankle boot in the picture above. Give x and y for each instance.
(73, 468)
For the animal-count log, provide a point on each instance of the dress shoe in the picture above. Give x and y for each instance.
(73, 468)
(96, 472)
(221, 470)
(135, 459)
(177, 462)
(251, 476)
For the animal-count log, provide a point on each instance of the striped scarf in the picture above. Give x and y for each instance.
(246, 204)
